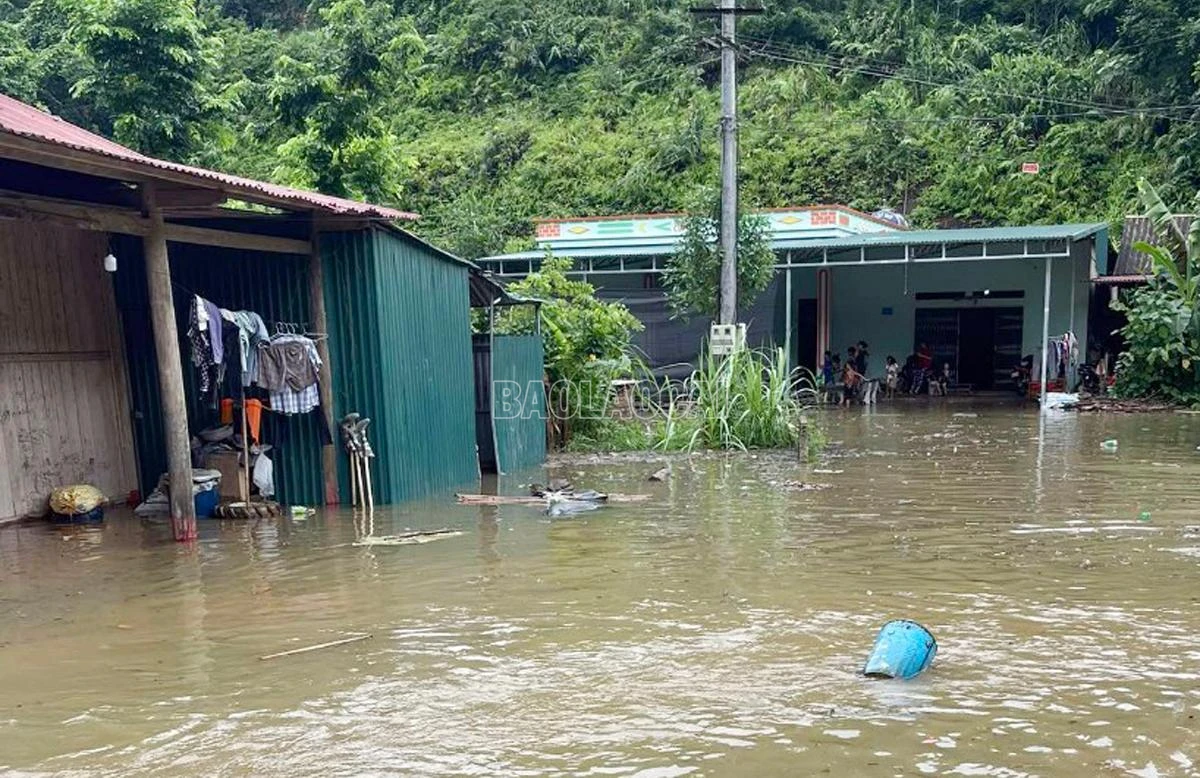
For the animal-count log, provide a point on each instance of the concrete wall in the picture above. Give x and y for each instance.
(860, 296)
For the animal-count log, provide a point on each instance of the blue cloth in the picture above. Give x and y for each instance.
(251, 333)
(214, 331)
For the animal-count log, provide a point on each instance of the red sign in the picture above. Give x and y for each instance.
(1032, 168)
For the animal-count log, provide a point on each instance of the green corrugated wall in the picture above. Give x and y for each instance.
(400, 341)
(520, 438)
(274, 286)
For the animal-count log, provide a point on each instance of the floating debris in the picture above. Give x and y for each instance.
(409, 538)
(903, 649)
(660, 475)
(318, 647)
(802, 486)
(503, 499)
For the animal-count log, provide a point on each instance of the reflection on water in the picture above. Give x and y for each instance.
(714, 630)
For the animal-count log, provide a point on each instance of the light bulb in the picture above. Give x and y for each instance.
(110, 263)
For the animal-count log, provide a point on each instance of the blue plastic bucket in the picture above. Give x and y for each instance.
(903, 649)
(206, 503)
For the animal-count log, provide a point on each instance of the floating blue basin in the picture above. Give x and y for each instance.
(903, 649)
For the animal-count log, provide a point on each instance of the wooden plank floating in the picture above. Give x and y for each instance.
(503, 499)
(409, 538)
(318, 647)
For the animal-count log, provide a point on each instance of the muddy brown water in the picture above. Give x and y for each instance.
(716, 629)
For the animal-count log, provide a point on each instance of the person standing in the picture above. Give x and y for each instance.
(893, 377)
(851, 379)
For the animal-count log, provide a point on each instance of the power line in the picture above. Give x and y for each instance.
(774, 52)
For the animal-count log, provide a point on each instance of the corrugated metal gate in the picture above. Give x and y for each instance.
(521, 426)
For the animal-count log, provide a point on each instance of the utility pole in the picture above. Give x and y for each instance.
(729, 164)
(729, 12)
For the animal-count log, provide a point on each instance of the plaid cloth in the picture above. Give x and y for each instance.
(289, 403)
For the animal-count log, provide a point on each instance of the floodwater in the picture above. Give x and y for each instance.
(716, 629)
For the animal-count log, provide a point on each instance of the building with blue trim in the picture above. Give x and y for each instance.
(980, 298)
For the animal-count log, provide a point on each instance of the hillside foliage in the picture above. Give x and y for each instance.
(482, 114)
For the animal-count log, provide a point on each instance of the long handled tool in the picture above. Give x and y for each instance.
(354, 438)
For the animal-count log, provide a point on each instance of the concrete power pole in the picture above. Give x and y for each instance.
(729, 164)
(729, 13)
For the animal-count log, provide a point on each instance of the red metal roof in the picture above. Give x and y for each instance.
(26, 121)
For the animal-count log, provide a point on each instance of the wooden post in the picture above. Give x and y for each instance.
(170, 370)
(320, 323)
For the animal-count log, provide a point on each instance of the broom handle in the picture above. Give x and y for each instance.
(370, 493)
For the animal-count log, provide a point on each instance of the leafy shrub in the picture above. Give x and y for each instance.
(1162, 333)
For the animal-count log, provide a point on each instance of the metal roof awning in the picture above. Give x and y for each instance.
(917, 247)
(486, 292)
(1122, 280)
(1052, 232)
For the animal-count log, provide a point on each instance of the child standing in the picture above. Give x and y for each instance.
(827, 368)
(851, 379)
(893, 377)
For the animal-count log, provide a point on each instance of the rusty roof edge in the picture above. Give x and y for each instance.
(261, 192)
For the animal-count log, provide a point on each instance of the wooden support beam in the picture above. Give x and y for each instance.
(320, 323)
(105, 218)
(203, 236)
(170, 371)
(64, 158)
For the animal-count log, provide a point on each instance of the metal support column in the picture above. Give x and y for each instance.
(787, 324)
(1046, 331)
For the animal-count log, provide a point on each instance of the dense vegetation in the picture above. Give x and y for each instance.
(484, 113)
(1162, 330)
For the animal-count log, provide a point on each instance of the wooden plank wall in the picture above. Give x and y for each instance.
(64, 408)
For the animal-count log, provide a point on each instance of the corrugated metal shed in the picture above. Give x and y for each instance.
(23, 120)
(275, 287)
(1139, 229)
(400, 341)
(520, 436)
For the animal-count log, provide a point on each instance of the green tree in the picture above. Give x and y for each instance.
(693, 273)
(588, 341)
(329, 89)
(144, 71)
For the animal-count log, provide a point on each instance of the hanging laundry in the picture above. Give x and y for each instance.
(252, 334)
(288, 361)
(289, 369)
(290, 403)
(208, 316)
(253, 410)
(203, 350)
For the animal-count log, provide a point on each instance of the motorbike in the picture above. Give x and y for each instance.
(1021, 375)
(1090, 380)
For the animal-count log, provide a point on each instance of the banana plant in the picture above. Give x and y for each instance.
(1176, 262)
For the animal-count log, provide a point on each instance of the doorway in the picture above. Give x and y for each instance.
(981, 345)
(805, 335)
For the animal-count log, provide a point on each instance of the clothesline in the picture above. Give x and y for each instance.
(286, 365)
